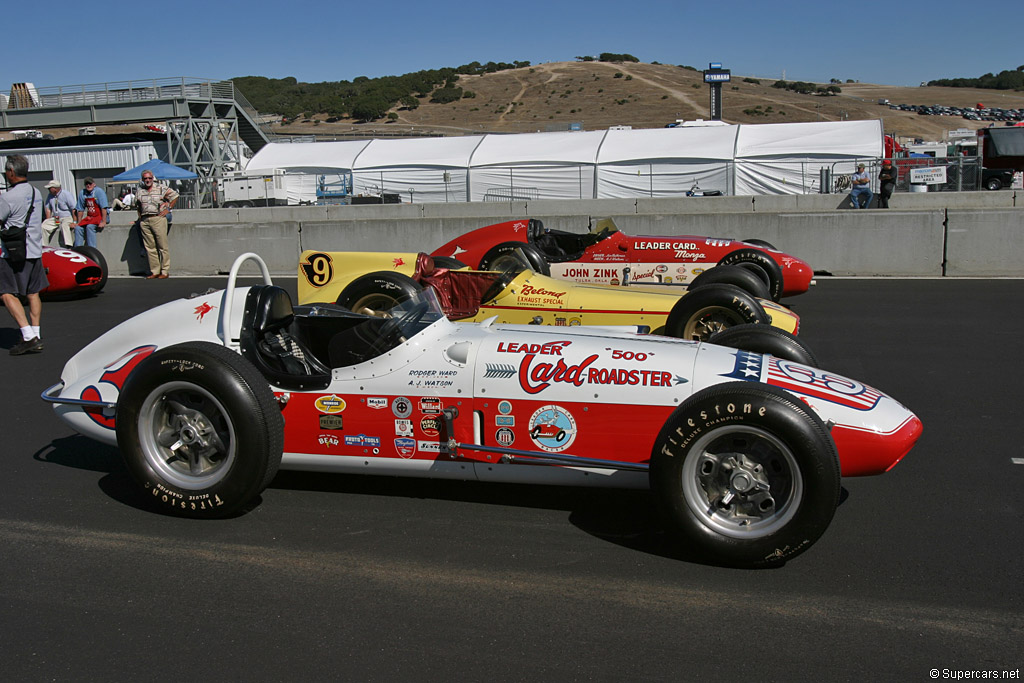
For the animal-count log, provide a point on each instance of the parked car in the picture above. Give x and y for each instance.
(605, 255)
(374, 282)
(207, 397)
(73, 272)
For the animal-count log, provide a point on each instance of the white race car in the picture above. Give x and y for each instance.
(207, 397)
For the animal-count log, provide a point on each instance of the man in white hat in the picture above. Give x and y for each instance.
(60, 213)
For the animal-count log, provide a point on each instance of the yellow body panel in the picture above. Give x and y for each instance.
(529, 298)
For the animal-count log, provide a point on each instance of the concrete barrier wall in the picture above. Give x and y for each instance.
(957, 234)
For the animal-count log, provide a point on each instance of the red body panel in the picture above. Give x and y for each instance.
(68, 271)
(654, 259)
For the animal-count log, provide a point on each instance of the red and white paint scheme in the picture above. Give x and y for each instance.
(606, 255)
(195, 398)
(73, 271)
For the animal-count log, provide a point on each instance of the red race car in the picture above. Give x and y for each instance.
(607, 256)
(73, 272)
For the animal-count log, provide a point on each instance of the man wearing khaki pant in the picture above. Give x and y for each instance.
(154, 202)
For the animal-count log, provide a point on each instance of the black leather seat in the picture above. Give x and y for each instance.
(267, 341)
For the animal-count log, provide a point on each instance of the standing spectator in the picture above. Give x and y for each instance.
(886, 183)
(21, 267)
(861, 188)
(154, 203)
(61, 213)
(93, 213)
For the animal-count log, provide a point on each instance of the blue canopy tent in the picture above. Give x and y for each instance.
(160, 169)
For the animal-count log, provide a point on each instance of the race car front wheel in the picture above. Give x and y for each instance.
(199, 430)
(503, 255)
(766, 339)
(703, 311)
(745, 279)
(746, 475)
(766, 262)
(377, 293)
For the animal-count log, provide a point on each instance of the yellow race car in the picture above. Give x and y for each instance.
(373, 282)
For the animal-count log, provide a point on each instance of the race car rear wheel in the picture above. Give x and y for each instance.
(701, 312)
(745, 279)
(96, 256)
(501, 256)
(766, 339)
(377, 293)
(746, 475)
(762, 259)
(199, 430)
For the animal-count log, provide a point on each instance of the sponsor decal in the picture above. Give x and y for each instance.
(646, 245)
(518, 225)
(552, 428)
(549, 349)
(328, 440)
(430, 425)
(401, 407)
(398, 261)
(498, 371)
(362, 440)
(615, 281)
(713, 243)
(667, 279)
(661, 268)
(331, 422)
(202, 309)
(539, 295)
(430, 404)
(431, 447)
(432, 378)
(405, 447)
(575, 322)
(403, 427)
(504, 420)
(376, 403)
(561, 322)
(697, 271)
(681, 270)
(330, 404)
(114, 374)
(684, 255)
(505, 437)
(505, 407)
(318, 269)
(804, 380)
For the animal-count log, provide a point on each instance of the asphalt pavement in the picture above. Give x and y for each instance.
(366, 578)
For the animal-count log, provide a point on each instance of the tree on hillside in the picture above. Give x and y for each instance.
(613, 57)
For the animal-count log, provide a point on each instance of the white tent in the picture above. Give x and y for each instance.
(665, 162)
(535, 166)
(662, 162)
(422, 170)
(786, 158)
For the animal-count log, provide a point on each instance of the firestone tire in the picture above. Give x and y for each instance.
(743, 278)
(96, 256)
(762, 259)
(706, 310)
(377, 292)
(766, 339)
(498, 256)
(199, 430)
(746, 475)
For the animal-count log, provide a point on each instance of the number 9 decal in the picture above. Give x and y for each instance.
(318, 269)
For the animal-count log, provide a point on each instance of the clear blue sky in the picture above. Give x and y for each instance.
(898, 43)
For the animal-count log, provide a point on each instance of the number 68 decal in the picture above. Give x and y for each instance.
(318, 269)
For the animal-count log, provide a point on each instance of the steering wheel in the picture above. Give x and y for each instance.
(500, 283)
(392, 332)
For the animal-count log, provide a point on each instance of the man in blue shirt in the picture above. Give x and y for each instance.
(92, 212)
(861, 194)
(61, 214)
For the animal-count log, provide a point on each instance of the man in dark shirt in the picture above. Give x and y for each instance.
(886, 183)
